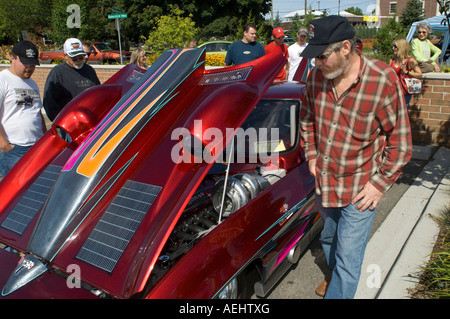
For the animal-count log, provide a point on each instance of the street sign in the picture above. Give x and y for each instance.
(117, 16)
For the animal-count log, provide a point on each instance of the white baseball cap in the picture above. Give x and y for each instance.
(73, 47)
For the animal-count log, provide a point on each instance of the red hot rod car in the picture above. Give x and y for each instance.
(175, 182)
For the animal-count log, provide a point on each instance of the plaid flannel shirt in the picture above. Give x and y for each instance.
(363, 135)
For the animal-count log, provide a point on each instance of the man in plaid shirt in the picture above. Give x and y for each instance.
(356, 136)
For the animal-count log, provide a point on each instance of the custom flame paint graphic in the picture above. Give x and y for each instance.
(105, 145)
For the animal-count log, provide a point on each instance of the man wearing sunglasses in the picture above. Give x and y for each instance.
(356, 136)
(68, 79)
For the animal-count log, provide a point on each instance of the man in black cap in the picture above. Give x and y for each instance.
(356, 136)
(21, 120)
(68, 79)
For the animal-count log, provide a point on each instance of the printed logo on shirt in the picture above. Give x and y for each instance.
(25, 97)
(246, 52)
(84, 83)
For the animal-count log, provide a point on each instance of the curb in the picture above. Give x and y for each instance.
(403, 243)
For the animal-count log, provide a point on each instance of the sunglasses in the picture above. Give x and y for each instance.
(421, 32)
(326, 54)
(78, 58)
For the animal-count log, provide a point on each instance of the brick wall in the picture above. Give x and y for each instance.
(430, 8)
(104, 72)
(429, 112)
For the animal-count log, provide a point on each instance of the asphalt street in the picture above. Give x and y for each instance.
(302, 279)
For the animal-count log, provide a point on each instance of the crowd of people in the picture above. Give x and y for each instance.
(356, 140)
(248, 49)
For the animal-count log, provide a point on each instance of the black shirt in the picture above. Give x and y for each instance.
(63, 84)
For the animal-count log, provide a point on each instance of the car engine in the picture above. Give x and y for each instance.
(216, 198)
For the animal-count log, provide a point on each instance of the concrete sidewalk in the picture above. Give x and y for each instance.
(404, 242)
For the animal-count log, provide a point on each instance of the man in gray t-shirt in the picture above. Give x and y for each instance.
(21, 121)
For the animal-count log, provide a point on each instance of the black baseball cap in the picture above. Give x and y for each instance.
(324, 31)
(27, 52)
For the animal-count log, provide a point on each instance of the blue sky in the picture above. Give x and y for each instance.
(286, 6)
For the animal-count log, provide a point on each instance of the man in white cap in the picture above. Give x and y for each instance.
(68, 79)
(21, 121)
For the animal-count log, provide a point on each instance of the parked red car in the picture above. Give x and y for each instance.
(179, 182)
(101, 52)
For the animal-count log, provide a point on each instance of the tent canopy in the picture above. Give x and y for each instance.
(435, 23)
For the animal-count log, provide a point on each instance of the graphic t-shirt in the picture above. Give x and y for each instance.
(20, 109)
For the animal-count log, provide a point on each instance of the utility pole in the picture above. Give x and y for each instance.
(305, 10)
(271, 13)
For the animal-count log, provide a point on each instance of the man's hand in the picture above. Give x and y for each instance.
(6, 147)
(369, 196)
(312, 167)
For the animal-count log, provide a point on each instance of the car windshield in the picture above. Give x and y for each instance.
(103, 47)
(216, 47)
(275, 123)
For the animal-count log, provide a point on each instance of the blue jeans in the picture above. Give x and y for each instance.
(407, 99)
(344, 239)
(9, 159)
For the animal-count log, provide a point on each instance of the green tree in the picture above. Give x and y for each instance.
(411, 13)
(60, 31)
(32, 16)
(172, 31)
(386, 35)
(355, 10)
(444, 8)
(94, 22)
(297, 22)
(231, 14)
(215, 19)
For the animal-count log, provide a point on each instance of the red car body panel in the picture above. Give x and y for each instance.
(121, 142)
(245, 231)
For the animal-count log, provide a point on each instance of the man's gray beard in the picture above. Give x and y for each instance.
(78, 66)
(338, 72)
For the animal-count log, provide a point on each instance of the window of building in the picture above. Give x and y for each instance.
(392, 7)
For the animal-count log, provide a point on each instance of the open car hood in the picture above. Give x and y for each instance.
(107, 198)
